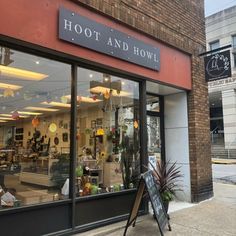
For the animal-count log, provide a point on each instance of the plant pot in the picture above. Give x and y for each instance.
(166, 205)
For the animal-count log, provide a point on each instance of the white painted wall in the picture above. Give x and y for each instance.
(177, 138)
(229, 112)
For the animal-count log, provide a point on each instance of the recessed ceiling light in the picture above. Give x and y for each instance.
(29, 113)
(6, 118)
(103, 90)
(85, 99)
(123, 83)
(213, 104)
(10, 115)
(91, 75)
(40, 109)
(21, 74)
(56, 104)
(9, 86)
(37, 62)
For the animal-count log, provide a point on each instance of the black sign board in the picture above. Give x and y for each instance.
(217, 66)
(147, 181)
(85, 32)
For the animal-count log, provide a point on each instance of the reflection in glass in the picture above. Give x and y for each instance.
(34, 160)
(107, 133)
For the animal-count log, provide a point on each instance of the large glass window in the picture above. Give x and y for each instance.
(34, 129)
(107, 133)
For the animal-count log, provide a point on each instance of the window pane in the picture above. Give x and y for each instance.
(234, 41)
(34, 128)
(153, 103)
(214, 45)
(107, 133)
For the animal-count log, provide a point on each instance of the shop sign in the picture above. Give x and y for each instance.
(217, 66)
(85, 32)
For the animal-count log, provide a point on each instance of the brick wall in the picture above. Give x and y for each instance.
(179, 23)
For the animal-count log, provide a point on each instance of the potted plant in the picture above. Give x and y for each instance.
(167, 176)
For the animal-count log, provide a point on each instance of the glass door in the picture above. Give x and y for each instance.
(154, 129)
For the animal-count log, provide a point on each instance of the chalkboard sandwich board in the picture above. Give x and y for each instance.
(147, 183)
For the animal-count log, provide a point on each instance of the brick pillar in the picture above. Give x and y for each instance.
(199, 135)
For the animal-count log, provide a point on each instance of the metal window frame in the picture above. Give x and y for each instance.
(75, 62)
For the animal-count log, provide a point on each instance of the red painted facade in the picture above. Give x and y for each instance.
(37, 22)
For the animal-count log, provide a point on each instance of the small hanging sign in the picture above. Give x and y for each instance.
(217, 66)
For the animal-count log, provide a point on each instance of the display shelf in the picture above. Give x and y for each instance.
(38, 172)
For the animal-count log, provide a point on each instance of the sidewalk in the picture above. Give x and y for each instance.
(213, 217)
(223, 161)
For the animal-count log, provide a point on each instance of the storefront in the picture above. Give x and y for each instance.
(85, 103)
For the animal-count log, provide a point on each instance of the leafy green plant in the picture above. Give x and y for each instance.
(168, 177)
(60, 170)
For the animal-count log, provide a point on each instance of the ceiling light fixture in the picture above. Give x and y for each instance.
(100, 89)
(29, 113)
(6, 118)
(9, 86)
(10, 115)
(85, 99)
(40, 109)
(21, 74)
(56, 104)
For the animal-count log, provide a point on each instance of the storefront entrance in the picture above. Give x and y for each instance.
(154, 128)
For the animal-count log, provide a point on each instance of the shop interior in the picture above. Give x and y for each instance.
(35, 107)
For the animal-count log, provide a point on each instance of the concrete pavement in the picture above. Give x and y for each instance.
(213, 217)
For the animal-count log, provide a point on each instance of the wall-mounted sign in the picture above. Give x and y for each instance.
(217, 66)
(85, 32)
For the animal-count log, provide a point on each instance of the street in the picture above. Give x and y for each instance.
(224, 173)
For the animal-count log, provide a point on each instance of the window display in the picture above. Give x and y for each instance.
(107, 133)
(35, 104)
(34, 147)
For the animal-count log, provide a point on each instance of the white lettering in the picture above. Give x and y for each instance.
(67, 25)
(125, 46)
(155, 58)
(149, 55)
(109, 42)
(78, 29)
(142, 53)
(136, 51)
(88, 32)
(117, 43)
(97, 35)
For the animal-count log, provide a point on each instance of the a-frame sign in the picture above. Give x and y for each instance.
(147, 182)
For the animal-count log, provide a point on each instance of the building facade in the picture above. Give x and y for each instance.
(221, 31)
(91, 91)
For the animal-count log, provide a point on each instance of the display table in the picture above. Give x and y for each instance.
(34, 197)
(41, 174)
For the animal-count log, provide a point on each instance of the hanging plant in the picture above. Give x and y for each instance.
(8, 93)
(15, 115)
(107, 95)
(35, 122)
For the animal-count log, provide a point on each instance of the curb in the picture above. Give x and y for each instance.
(226, 162)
